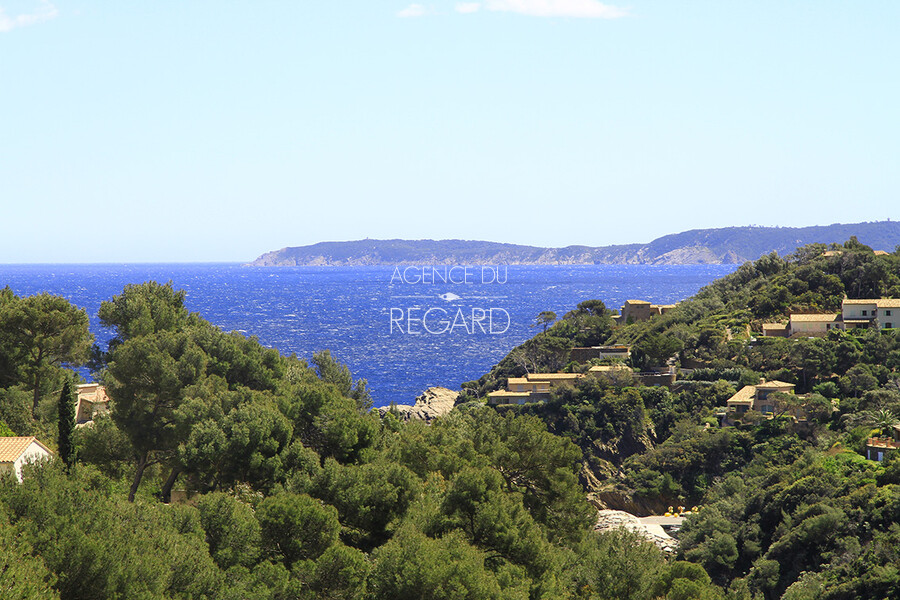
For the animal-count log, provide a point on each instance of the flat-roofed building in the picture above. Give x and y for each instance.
(604, 369)
(523, 384)
(640, 310)
(554, 378)
(588, 353)
(878, 447)
(507, 397)
(534, 387)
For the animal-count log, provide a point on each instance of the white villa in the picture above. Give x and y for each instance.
(881, 313)
(16, 452)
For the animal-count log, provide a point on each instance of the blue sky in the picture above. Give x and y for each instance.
(218, 130)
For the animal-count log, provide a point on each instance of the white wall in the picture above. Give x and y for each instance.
(32, 453)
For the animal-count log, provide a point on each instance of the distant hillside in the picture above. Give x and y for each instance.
(698, 246)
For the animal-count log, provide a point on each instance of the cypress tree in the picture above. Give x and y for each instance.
(66, 424)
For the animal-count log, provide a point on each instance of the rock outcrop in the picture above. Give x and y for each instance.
(607, 497)
(434, 402)
(618, 519)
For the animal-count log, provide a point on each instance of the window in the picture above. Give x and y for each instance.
(888, 325)
(887, 313)
(865, 313)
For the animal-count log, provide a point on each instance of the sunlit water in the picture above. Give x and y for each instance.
(374, 318)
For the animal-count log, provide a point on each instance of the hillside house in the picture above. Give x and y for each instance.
(756, 397)
(90, 401)
(586, 354)
(878, 447)
(814, 324)
(554, 379)
(609, 369)
(534, 387)
(16, 452)
(776, 330)
(883, 313)
(640, 310)
(664, 376)
(879, 313)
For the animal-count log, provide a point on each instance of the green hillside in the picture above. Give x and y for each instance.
(788, 509)
(226, 470)
(730, 245)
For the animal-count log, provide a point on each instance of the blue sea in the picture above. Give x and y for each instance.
(401, 329)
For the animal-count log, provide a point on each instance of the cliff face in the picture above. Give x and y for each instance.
(730, 245)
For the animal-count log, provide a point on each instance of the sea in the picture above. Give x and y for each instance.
(403, 329)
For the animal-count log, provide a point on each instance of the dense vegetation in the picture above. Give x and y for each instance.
(788, 510)
(298, 490)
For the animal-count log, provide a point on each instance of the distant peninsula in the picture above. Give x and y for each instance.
(727, 245)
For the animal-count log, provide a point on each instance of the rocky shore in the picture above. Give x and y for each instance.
(433, 403)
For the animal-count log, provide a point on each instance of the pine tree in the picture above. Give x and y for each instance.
(67, 424)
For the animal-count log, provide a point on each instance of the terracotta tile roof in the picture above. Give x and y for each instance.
(882, 253)
(889, 303)
(505, 394)
(745, 394)
(860, 301)
(816, 318)
(775, 384)
(553, 376)
(637, 302)
(11, 448)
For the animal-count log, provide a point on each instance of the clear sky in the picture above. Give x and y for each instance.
(217, 130)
